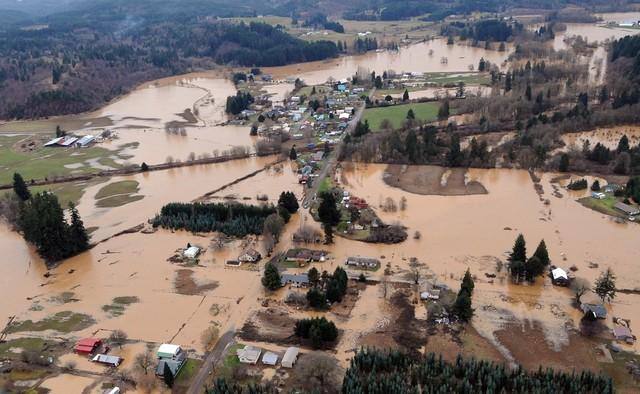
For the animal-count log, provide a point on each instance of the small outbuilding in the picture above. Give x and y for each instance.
(290, 357)
(559, 277)
(626, 209)
(170, 351)
(87, 345)
(270, 358)
(191, 252)
(106, 359)
(622, 333)
(249, 355)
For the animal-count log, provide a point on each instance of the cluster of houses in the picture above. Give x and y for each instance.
(169, 355)
(362, 263)
(630, 211)
(251, 355)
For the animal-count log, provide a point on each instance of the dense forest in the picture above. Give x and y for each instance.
(376, 371)
(74, 61)
(231, 219)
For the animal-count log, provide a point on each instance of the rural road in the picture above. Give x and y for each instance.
(212, 359)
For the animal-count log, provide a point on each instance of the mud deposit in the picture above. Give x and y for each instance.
(432, 180)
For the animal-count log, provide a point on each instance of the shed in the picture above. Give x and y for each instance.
(290, 357)
(270, 358)
(107, 359)
(191, 252)
(596, 311)
(87, 345)
(54, 141)
(626, 209)
(85, 141)
(622, 333)
(559, 277)
(249, 355)
(169, 351)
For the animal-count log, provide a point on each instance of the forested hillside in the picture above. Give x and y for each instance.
(74, 61)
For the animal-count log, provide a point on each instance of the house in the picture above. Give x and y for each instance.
(295, 280)
(622, 333)
(171, 356)
(363, 262)
(191, 252)
(626, 209)
(270, 358)
(171, 352)
(559, 277)
(85, 141)
(249, 355)
(598, 195)
(106, 359)
(250, 256)
(298, 255)
(87, 345)
(596, 311)
(612, 188)
(290, 357)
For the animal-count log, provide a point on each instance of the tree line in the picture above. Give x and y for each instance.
(42, 222)
(235, 220)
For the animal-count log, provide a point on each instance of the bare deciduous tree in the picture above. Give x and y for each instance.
(320, 371)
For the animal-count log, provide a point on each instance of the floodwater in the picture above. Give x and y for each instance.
(414, 58)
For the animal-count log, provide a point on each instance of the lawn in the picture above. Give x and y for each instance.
(603, 206)
(325, 185)
(397, 114)
(49, 162)
(230, 361)
(187, 372)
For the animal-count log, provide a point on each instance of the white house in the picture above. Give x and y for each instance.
(191, 252)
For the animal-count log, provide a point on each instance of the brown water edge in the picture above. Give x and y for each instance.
(432, 180)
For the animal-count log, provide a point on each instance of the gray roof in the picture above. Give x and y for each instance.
(628, 209)
(174, 366)
(598, 310)
(294, 278)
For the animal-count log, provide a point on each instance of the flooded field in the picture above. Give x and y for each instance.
(423, 57)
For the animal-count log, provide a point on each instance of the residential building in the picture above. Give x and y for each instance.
(559, 277)
(295, 280)
(171, 356)
(250, 256)
(249, 355)
(191, 252)
(626, 209)
(363, 262)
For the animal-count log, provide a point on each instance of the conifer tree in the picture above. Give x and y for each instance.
(271, 279)
(605, 286)
(293, 155)
(78, 235)
(168, 375)
(20, 187)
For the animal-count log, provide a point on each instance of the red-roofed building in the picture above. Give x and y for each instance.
(87, 345)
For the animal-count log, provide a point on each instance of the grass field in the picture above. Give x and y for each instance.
(603, 206)
(49, 162)
(397, 114)
(64, 322)
(117, 194)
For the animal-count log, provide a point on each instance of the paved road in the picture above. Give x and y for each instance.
(213, 358)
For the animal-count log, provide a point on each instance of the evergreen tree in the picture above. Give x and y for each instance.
(328, 233)
(564, 163)
(462, 306)
(410, 114)
(288, 201)
(78, 235)
(271, 279)
(519, 252)
(528, 93)
(443, 111)
(293, 155)
(595, 186)
(542, 253)
(316, 298)
(507, 82)
(167, 375)
(327, 211)
(42, 222)
(314, 277)
(144, 167)
(623, 144)
(605, 286)
(467, 283)
(533, 268)
(405, 95)
(20, 187)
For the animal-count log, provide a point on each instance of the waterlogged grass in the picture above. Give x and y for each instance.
(7, 349)
(119, 305)
(49, 162)
(115, 188)
(397, 114)
(117, 194)
(64, 322)
(603, 206)
(67, 192)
